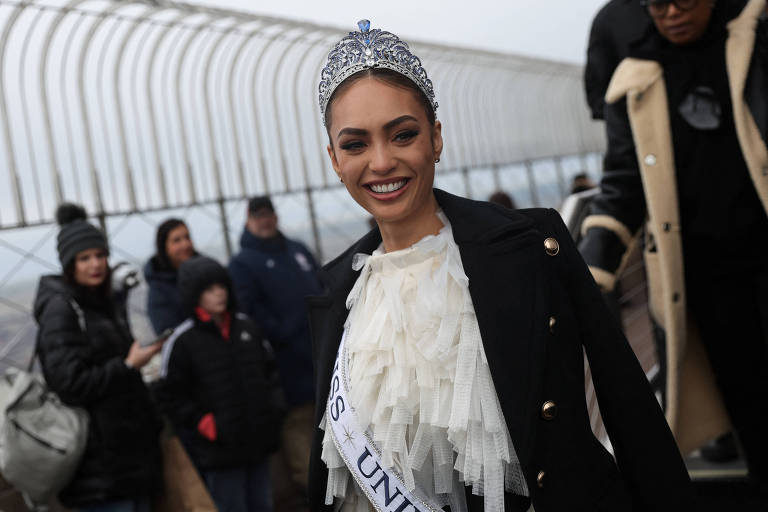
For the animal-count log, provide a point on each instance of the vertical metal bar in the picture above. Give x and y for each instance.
(95, 184)
(560, 176)
(180, 109)
(46, 103)
(111, 163)
(27, 121)
(10, 153)
(121, 129)
(232, 110)
(532, 184)
(196, 111)
(276, 103)
(161, 176)
(496, 177)
(252, 84)
(457, 128)
(69, 127)
(467, 184)
(304, 165)
(321, 132)
(138, 128)
(167, 104)
(211, 144)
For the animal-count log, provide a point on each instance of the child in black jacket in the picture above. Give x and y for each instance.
(219, 390)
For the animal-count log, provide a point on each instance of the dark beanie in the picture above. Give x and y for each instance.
(198, 273)
(76, 233)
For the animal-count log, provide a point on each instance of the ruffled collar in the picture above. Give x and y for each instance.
(419, 379)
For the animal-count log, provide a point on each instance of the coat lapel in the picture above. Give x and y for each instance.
(501, 254)
(739, 48)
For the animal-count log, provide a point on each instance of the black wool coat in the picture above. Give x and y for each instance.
(86, 369)
(537, 314)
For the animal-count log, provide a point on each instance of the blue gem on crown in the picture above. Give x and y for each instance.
(371, 49)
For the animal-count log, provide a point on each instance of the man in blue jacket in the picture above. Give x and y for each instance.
(272, 275)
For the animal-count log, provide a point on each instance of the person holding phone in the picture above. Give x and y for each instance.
(90, 360)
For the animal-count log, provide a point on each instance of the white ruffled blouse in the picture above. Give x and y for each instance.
(420, 382)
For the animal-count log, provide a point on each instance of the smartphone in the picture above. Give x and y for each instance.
(162, 337)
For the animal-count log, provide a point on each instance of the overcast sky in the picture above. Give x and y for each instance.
(555, 29)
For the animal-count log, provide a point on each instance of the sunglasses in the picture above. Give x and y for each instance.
(659, 8)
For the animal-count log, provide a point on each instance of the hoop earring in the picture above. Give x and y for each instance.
(437, 160)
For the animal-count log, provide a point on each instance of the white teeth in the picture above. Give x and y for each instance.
(389, 187)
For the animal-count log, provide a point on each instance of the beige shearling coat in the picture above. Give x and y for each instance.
(694, 408)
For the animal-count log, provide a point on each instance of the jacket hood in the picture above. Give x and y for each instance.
(50, 286)
(197, 274)
(155, 271)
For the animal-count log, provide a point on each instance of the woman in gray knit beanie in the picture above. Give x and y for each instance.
(76, 236)
(90, 359)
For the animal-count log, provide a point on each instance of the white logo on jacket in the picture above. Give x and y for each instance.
(303, 261)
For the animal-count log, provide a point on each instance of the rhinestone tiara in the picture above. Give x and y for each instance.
(371, 49)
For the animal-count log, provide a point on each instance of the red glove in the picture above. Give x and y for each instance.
(207, 427)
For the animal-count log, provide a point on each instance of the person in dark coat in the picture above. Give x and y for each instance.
(173, 246)
(272, 276)
(615, 26)
(460, 327)
(219, 387)
(90, 360)
(687, 168)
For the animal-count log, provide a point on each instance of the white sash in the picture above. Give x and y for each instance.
(384, 487)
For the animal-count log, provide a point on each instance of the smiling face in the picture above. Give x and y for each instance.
(178, 246)
(90, 267)
(684, 26)
(384, 148)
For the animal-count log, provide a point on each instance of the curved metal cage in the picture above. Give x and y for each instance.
(129, 106)
(142, 110)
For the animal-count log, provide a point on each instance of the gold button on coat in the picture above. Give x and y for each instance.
(552, 323)
(540, 479)
(551, 246)
(549, 410)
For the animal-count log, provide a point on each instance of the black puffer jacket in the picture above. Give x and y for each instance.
(235, 379)
(86, 369)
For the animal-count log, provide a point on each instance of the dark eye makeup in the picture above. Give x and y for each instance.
(406, 135)
(351, 145)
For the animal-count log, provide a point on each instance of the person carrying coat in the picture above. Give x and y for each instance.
(90, 360)
(219, 388)
(686, 170)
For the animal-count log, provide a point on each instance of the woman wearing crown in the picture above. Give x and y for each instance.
(449, 347)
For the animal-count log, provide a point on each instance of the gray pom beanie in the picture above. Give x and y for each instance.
(76, 233)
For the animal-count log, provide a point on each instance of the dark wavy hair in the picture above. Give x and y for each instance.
(162, 261)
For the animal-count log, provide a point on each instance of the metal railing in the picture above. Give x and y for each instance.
(145, 109)
(131, 106)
